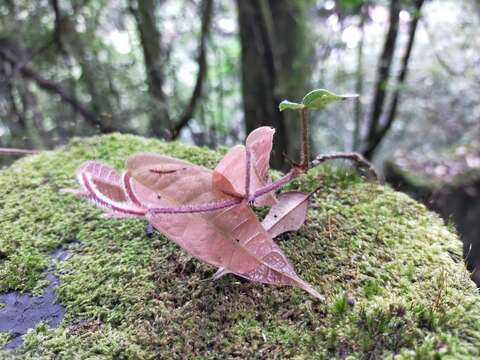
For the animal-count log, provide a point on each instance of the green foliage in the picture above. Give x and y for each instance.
(350, 6)
(23, 270)
(318, 99)
(340, 305)
(315, 99)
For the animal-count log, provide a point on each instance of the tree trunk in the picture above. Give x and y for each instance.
(144, 12)
(207, 8)
(94, 79)
(161, 123)
(273, 68)
(293, 53)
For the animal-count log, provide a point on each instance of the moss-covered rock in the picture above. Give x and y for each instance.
(392, 274)
(455, 195)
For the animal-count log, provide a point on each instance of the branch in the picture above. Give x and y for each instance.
(383, 71)
(207, 6)
(358, 112)
(357, 158)
(12, 151)
(443, 63)
(375, 141)
(56, 89)
(57, 29)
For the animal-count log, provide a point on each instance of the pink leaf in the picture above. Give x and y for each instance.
(260, 142)
(102, 186)
(232, 238)
(288, 214)
(230, 174)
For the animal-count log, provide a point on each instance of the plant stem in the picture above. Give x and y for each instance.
(248, 161)
(276, 185)
(191, 209)
(305, 156)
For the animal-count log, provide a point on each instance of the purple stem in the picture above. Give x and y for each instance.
(191, 209)
(275, 185)
(248, 158)
(200, 208)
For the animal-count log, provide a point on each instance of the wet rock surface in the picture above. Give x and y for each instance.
(22, 312)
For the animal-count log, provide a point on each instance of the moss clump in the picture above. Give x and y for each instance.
(392, 274)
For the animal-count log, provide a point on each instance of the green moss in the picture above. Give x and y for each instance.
(23, 270)
(129, 296)
(4, 337)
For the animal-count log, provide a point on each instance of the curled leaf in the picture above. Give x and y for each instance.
(102, 185)
(288, 214)
(229, 175)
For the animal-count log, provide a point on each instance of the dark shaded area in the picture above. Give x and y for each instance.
(23, 311)
(457, 200)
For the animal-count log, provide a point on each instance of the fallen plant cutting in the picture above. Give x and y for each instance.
(209, 212)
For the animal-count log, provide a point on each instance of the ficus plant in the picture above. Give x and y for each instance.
(209, 212)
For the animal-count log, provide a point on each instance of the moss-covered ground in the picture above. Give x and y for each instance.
(391, 272)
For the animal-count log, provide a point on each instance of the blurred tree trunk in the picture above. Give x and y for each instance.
(144, 12)
(73, 45)
(293, 51)
(380, 125)
(29, 74)
(187, 114)
(383, 74)
(161, 124)
(358, 111)
(275, 66)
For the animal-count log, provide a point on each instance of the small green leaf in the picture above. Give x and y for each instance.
(288, 105)
(318, 99)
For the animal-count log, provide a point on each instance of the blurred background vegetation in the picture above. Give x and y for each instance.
(209, 71)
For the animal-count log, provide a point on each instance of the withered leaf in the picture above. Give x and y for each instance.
(232, 239)
(288, 214)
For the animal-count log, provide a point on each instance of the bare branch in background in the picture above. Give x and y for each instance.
(381, 130)
(153, 54)
(358, 111)
(161, 123)
(207, 6)
(12, 151)
(443, 63)
(58, 25)
(357, 158)
(56, 89)
(383, 74)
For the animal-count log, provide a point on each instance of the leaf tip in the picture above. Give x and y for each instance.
(289, 105)
(320, 98)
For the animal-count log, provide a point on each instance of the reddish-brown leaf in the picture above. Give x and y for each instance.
(230, 174)
(232, 239)
(288, 214)
(102, 185)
